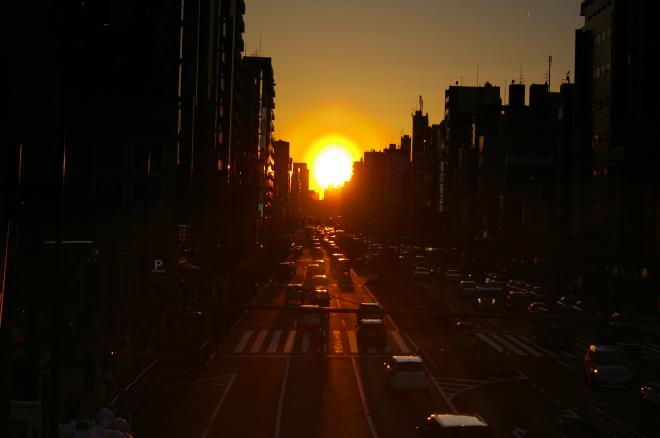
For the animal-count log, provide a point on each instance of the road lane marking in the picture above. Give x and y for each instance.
(243, 342)
(274, 341)
(487, 340)
(398, 340)
(508, 345)
(352, 341)
(365, 407)
(524, 346)
(337, 346)
(216, 411)
(305, 343)
(259, 341)
(280, 403)
(290, 341)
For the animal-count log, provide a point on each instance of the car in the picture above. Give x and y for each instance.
(484, 301)
(648, 400)
(538, 307)
(406, 372)
(454, 425)
(494, 284)
(421, 272)
(316, 281)
(517, 300)
(293, 294)
(467, 286)
(371, 333)
(452, 275)
(369, 311)
(320, 297)
(607, 365)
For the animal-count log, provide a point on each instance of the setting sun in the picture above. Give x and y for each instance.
(332, 166)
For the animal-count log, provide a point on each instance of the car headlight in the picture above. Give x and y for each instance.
(595, 371)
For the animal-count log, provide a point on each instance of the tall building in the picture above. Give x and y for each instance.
(282, 187)
(421, 166)
(467, 110)
(256, 136)
(299, 187)
(616, 71)
(125, 182)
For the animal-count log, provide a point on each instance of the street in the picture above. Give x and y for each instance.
(264, 381)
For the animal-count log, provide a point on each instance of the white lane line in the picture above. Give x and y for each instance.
(290, 341)
(508, 345)
(398, 340)
(652, 347)
(274, 341)
(524, 346)
(216, 411)
(337, 346)
(352, 341)
(488, 341)
(343, 323)
(442, 393)
(280, 403)
(305, 343)
(243, 342)
(259, 341)
(365, 408)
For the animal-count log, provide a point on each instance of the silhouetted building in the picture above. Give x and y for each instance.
(256, 139)
(468, 112)
(299, 188)
(617, 70)
(282, 185)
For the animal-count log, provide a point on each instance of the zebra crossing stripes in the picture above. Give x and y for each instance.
(243, 342)
(256, 346)
(252, 342)
(274, 341)
(290, 342)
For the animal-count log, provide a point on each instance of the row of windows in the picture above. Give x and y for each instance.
(600, 172)
(601, 37)
(602, 137)
(603, 102)
(602, 69)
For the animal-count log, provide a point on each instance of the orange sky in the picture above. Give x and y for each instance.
(356, 68)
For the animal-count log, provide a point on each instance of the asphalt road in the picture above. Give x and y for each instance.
(264, 381)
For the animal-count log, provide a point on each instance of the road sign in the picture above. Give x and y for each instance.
(158, 266)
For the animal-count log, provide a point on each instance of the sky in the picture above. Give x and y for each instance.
(352, 71)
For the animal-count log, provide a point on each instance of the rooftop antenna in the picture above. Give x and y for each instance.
(522, 79)
(549, 70)
(259, 43)
(461, 79)
(505, 87)
(568, 77)
(421, 104)
(477, 74)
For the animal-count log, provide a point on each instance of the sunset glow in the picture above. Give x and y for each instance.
(332, 166)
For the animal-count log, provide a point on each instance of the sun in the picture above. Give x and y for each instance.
(333, 166)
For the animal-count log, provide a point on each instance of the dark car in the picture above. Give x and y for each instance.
(320, 297)
(293, 294)
(371, 333)
(369, 311)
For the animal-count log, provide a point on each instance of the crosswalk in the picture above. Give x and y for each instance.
(526, 345)
(274, 342)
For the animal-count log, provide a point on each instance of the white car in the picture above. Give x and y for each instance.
(421, 272)
(607, 365)
(406, 372)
